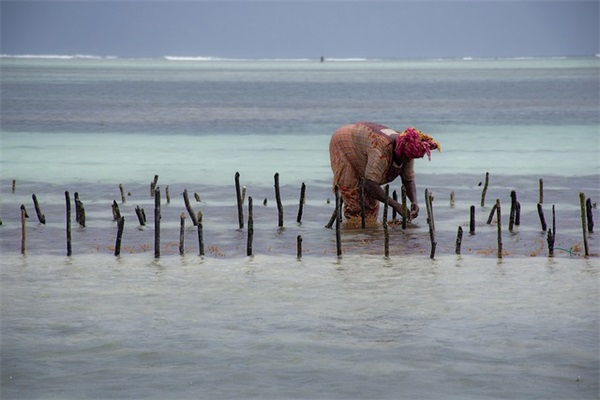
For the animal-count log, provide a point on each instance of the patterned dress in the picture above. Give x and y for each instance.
(366, 150)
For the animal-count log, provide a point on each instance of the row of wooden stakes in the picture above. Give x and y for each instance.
(587, 221)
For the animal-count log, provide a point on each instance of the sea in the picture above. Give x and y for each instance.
(273, 305)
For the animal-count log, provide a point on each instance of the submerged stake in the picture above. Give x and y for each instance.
(188, 207)
(583, 223)
(120, 226)
(498, 217)
(68, 209)
(157, 217)
(459, 236)
(278, 199)
(182, 234)
(301, 205)
(200, 235)
(250, 227)
(38, 211)
(386, 235)
(363, 222)
(338, 219)
(238, 193)
(485, 187)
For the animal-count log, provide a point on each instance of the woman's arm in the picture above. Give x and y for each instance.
(378, 193)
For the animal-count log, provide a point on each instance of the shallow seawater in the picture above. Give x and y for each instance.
(96, 326)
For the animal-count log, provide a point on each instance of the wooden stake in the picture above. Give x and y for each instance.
(120, 226)
(513, 210)
(517, 214)
(153, 185)
(141, 215)
(404, 207)
(394, 213)
(188, 207)
(301, 205)
(491, 216)
(485, 187)
(459, 236)
(197, 197)
(472, 220)
(115, 210)
(168, 194)
(14, 185)
(363, 221)
(157, 217)
(583, 223)
(182, 234)
(542, 218)
(338, 219)
(299, 247)
(68, 209)
(386, 235)
(250, 227)
(79, 211)
(541, 196)
(590, 216)
(499, 221)
(278, 199)
(38, 211)
(122, 193)
(430, 222)
(550, 240)
(200, 235)
(238, 192)
(23, 229)
(452, 200)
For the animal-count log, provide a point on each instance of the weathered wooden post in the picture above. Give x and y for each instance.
(583, 223)
(550, 240)
(301, 205)
(23, 229)
(338, 219)
(120, 226)
(541, 195)
(115, 211)
(188, 207)
(299, 247)
(238, 193)
(141, 215)
(459, 236)
(79, 211)
(168, 194)
(542, 218)
(68, 209)
(250, 227)
(200, 235)
(590, 215)
(452, 200)
(394, 213)
(472, 220)
(157, 217)
(14, 185)
(429, 207)
(386, 235)
(278, 199)
(153, 185)
(485, 187)
(122, 193)
(513, 210)
(491, 216)
(182, 234)
(404, 207)
(363, 220)
(499, 221)
(38, 211)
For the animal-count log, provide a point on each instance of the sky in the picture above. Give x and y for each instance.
(301, 29)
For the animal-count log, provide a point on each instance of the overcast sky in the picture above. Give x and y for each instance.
(257, 29)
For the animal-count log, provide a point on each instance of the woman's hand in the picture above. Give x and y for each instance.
(414, 210)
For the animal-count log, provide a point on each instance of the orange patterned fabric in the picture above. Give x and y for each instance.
(365, 150)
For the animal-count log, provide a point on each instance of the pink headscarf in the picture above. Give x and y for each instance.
(413, 143)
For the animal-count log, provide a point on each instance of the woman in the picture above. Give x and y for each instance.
(379, 154)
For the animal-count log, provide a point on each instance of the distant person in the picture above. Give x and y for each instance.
(379, 154)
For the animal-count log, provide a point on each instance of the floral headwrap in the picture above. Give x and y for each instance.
(413, 143)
